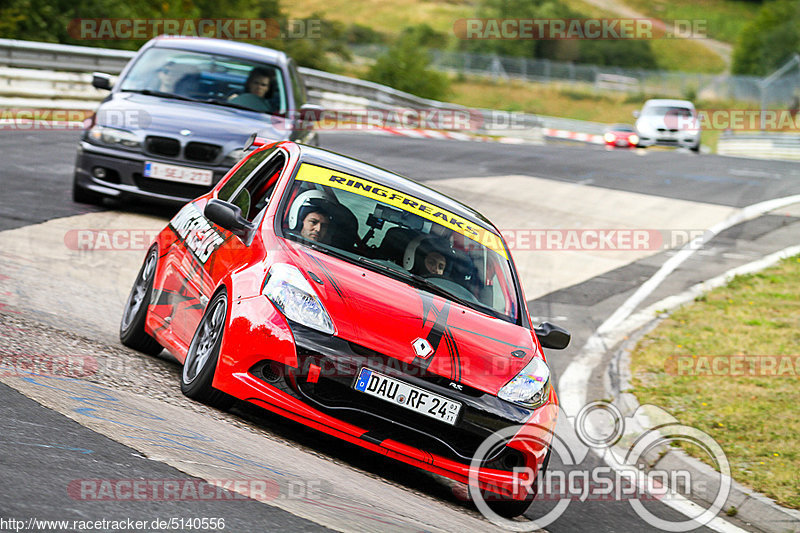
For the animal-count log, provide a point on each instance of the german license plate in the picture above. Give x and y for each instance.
(408, 396)
(161, 171)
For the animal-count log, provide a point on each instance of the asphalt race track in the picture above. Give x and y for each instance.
(123, 417)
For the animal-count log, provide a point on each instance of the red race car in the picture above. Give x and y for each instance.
(621, 135)
(359, 303)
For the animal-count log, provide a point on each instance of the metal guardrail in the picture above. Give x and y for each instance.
(22, 85)
(761, 145)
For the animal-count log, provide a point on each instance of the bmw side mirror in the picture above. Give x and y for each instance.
(552, 336)
(228, 216)
(101, 81)
(636, 114)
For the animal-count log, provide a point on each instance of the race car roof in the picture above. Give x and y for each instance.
(334, 161)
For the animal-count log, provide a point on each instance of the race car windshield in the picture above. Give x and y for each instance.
(401, 236)
(212, 79)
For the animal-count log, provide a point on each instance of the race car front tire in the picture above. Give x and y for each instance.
(201, 359)
(131, 327)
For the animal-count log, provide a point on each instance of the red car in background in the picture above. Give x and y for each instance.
(621, 135)
(356, 302)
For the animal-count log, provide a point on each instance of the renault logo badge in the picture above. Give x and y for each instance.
(422, 348)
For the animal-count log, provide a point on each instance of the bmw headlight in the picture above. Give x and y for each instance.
(106, 135)
(291, 293)
(530, 388)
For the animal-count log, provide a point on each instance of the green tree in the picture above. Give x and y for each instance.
(769, 40)
(405, 67)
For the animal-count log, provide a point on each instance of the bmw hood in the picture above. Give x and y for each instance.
(415, 326)
(153, 115)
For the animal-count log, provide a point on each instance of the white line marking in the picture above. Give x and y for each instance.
(574, 382)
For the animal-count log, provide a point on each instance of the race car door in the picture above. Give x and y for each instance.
(207, 252)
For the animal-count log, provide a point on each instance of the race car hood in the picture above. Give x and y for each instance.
(389, 316)
(153, 115)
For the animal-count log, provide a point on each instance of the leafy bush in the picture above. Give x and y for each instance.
(769, 40)
(405, 67)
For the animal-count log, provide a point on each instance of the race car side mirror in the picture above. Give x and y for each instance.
(228, 216)
(552, 336)
(636, 114)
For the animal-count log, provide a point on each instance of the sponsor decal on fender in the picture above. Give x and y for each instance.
(196, 232)
(401, 200)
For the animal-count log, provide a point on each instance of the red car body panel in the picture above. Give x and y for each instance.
(368, 309)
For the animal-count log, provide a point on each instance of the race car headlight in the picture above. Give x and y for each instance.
(291, 293)
(114, 136)
(609, 137)
(530, 388)
(633, 139)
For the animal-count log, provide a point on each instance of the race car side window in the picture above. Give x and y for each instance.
(234, 182)
(262, 184)
(254, 193)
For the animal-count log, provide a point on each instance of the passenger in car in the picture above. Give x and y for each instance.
(171, 74)
(259, 89)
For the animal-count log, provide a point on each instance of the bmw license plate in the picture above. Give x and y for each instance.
(195, 176)
(408, 396)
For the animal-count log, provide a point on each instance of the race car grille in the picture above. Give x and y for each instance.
(162, 146)
(202, 152)
(662, 130)
(383, 420)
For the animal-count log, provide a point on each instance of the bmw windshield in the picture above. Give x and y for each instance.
(208, 78)
(401, 236)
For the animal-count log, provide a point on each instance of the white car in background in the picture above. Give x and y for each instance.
(668, 123)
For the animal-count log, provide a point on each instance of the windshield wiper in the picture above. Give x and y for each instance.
(162, 94)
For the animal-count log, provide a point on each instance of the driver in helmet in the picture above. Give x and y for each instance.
(310, 216)
(315, 223)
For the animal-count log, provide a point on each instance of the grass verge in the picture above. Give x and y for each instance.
(723, 19)
(751, 415)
